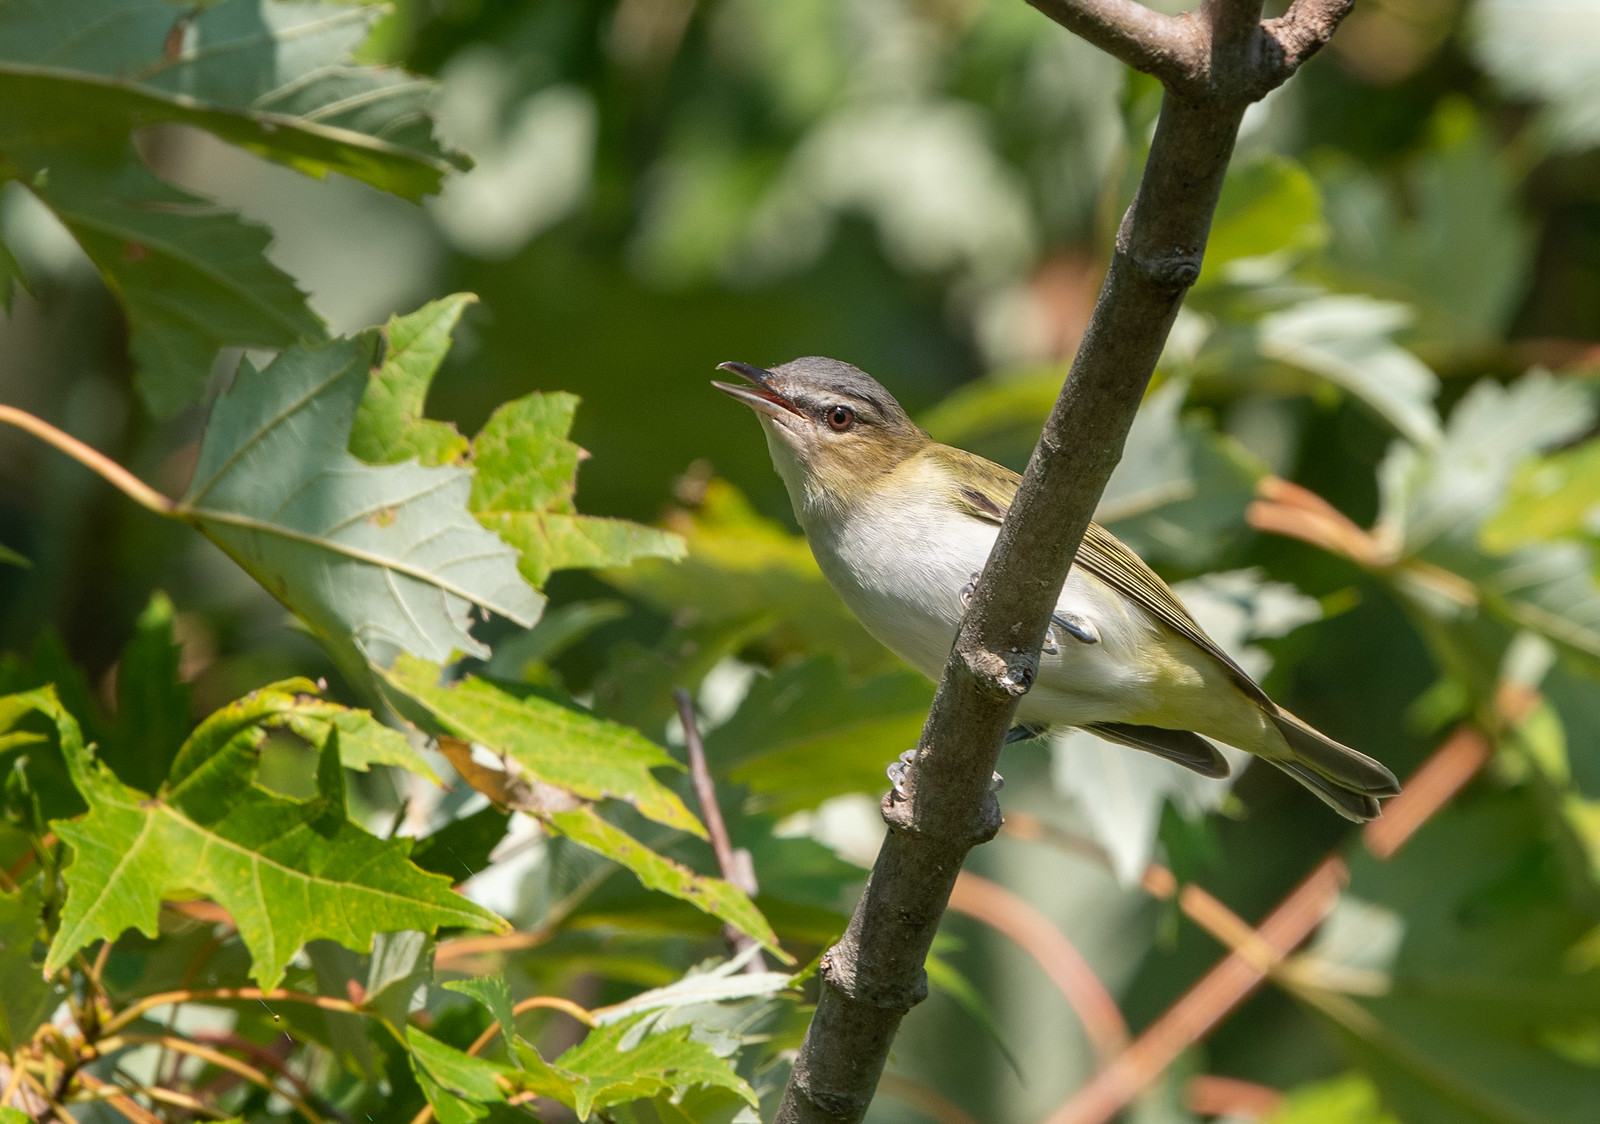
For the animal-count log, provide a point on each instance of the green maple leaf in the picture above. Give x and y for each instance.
(587, 757)
(523, 491)
(287, 871)
(373, 558)
(389, 426)
(525, 467)
(80, 77)
(551, 743)
(618, 1064)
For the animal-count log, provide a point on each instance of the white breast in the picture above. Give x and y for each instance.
(900, 567)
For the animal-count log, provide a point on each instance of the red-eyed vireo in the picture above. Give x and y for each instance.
(902, 526)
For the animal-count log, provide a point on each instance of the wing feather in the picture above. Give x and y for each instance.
(986, 493)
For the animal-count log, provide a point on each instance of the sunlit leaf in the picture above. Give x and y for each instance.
(618, 1065)
(1492, 431)
(288, 872)
(526, 474)
(1557, 496)
(375, 559)
(741, 566)
(389, 425)
(1270, 207)
(1350, 1099)
(1349, 340)
(363, 740)
(549, 742)
(720, 899)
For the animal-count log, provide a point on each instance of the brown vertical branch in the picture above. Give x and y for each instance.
(1213, 63)
(735, 865)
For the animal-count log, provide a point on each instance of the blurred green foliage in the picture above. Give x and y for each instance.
(1399, 311)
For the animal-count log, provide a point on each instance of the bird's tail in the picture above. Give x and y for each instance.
(1346, 780)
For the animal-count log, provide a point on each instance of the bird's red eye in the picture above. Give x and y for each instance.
(841, 418)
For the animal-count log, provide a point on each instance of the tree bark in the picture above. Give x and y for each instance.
(1213, 63)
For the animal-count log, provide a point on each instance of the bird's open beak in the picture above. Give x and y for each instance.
(760, 397)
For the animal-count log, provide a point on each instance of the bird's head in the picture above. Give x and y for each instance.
(832, 428)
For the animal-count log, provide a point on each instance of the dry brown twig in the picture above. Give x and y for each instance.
(1214, 63)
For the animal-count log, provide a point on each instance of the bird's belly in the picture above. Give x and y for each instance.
(902, 577)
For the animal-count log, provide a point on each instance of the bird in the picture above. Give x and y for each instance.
(901, 526)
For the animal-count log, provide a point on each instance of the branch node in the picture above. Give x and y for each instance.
(899, 814)
(838, 972)
(1173, 272)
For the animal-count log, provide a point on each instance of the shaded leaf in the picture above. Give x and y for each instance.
(457, 1084)
(27, 996)
(493, 993)
(83, 75)
(288, 872)
(461, 848)
(374, 559)
(1487, 976)
(9, 557)
(152, 701)
(526, 475)
(809, 732)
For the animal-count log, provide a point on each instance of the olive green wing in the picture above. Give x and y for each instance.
(986, 492)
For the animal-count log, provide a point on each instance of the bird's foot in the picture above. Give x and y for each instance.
(1079, 628)
(900, 771)
(1024, 732)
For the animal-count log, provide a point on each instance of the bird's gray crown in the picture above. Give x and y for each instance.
(819, 374)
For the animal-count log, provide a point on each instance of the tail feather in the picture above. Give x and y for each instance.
(1180, 746)
(1356, 806)
(1342, 767)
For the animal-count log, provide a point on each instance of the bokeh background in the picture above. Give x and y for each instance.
(927, 188)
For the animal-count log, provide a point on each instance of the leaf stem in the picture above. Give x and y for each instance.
(215, 1057)
(550, 1002)
(326, 1002)
(131, 486)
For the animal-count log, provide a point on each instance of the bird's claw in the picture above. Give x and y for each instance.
(1079, 628)
(899, 772)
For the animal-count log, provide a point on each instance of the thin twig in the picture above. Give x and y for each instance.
(94, 460)
(215, 1057)
(1169, 48)
(546, 1002)
(117, 1097)
(227, 994)
(739, 873)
